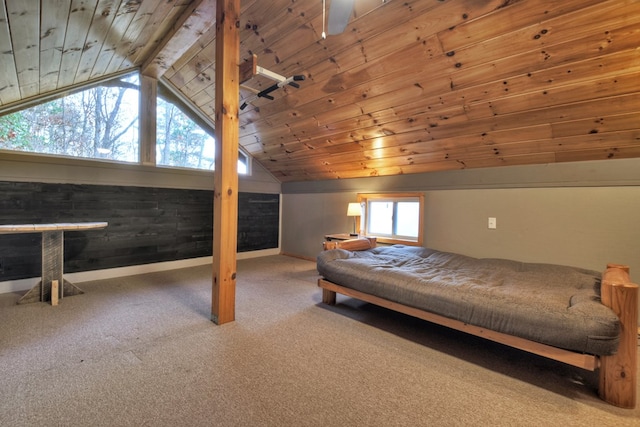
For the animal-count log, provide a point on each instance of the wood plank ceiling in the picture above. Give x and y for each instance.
(411, 86)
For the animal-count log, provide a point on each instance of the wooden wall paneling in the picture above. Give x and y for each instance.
(542, 36)
(101, 22)
(203, 80)
(209, 108)
(597, 124)
(80, 18)
(258, 219)
(53, 29)
(21, 256)
(499, 161)
(147, 36)
(248, 4)
(272, 21)
(360, 95)
(181, 64)
(381, 134)
(305, 94)
(599, 153)
(146, 224)
(195, 19)
(251, 136)
(562, 54)
(203, 60)
(593, 85)
(273, 47)
(352, 85)
(554, 52)
(131, 35)
(418, 25)
(11, 90)
(561, 75)
(129, 18)
(517, 131)
(551, 114)
(504, 19)
(569, 94)
(367, 139)
(386, 19)
(202, 100)
(316, 51)
(24, 21)
(200, 73)
(525, 147)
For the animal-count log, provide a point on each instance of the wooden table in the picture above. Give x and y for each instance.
(52, 258)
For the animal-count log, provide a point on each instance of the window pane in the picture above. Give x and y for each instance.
(408, 221)
(380, 217)
(180, 141)
(243, 163)
(100, 122)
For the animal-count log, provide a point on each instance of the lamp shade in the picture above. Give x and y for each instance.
(354, 209)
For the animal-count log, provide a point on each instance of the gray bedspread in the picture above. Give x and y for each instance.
(551, 304)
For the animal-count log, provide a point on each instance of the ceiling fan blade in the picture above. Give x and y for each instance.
(339, 15)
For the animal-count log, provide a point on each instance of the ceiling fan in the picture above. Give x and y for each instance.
(340, 12)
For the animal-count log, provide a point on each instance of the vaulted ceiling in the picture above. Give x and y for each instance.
(410, 86)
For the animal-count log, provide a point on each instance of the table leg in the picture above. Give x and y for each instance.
(52, 269)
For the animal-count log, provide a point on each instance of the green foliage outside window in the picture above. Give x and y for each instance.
(101, 122)
(94, 123)
(180, 141)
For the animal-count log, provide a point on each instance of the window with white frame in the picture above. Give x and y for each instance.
(393, 218)
(183, 138)
(101, 122)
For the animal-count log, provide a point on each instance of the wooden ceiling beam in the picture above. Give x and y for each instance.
(194, 22)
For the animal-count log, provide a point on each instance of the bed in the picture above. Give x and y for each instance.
(576, 316)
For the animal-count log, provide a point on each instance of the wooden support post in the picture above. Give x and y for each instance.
(618, 373)
(225, 180)
(148, 101)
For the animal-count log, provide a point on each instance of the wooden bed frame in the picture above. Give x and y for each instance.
(618, 373)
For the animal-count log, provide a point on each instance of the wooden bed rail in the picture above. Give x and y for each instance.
(618, 373)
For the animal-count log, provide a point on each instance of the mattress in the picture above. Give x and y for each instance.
(551, 304)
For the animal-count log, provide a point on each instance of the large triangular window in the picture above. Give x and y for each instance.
(100, 122)
(183, 138)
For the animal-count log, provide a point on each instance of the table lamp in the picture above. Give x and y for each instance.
(354, 210)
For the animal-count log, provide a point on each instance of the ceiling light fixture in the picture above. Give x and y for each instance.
(324, 13)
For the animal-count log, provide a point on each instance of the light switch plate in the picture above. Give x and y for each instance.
(492, 223)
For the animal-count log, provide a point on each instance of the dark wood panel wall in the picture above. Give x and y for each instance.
(146, 225)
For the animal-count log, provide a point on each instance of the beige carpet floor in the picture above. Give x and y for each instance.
(141, 351)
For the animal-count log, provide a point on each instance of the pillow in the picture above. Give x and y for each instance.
(355, 244)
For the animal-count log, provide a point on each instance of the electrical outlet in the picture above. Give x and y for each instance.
(492, 223)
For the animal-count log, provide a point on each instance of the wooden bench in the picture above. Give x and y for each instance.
(52, 258)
